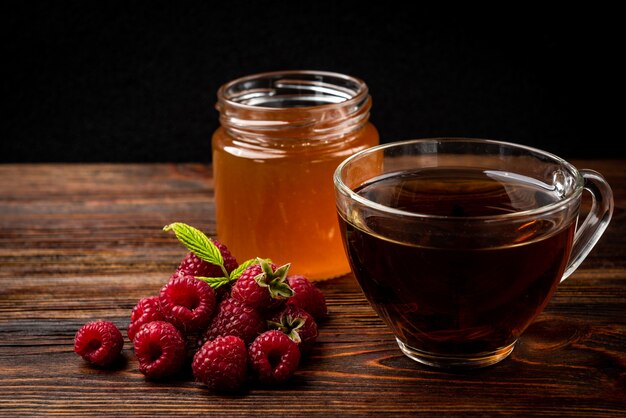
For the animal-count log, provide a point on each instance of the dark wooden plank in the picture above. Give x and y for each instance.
(81, 242)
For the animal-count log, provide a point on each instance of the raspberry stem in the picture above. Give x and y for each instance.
(274, 280)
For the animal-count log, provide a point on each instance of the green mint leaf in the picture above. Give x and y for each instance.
(196, 242)
(214, 282)
(234, 275)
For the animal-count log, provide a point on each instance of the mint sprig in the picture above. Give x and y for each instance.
(198, 243)
(216, 282)
(202, 246)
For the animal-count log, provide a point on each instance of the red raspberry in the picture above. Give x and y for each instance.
(246, 289)
(298, 324)
(222, 364)
(273, 357)
(235, 318)
(187, 303)
(192, 265)
(262, 286)
(160, 349)
(99, 342)
(146, 310)
(307, 296)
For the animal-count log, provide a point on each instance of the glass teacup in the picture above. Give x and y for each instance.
(458, 244)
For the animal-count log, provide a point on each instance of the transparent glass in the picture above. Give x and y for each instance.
(458, 244)
(282, 135)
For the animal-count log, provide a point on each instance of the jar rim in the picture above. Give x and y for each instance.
(354, 91)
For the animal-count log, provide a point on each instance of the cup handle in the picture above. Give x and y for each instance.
(588, 234)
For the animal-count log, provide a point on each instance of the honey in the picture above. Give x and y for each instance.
(282, 135)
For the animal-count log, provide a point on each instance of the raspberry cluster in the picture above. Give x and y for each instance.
(230, 322)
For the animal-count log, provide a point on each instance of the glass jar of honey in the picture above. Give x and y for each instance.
(281, 137)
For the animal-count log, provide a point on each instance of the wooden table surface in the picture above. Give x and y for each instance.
(84, 242)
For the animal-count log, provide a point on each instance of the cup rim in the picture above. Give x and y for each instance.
(342, 188)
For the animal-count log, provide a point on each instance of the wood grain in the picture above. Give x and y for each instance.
(82, 242)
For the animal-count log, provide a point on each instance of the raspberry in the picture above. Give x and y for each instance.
(298, 324)
(246, 289)
(307, 296)
(146, 310)
(222, 364)
(262, 286)
(160, 349)
(273, 357)
(192, 265)
(235, 318)
(99, 342)
(188, 303)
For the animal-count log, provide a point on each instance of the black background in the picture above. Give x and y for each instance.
(120, 81)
